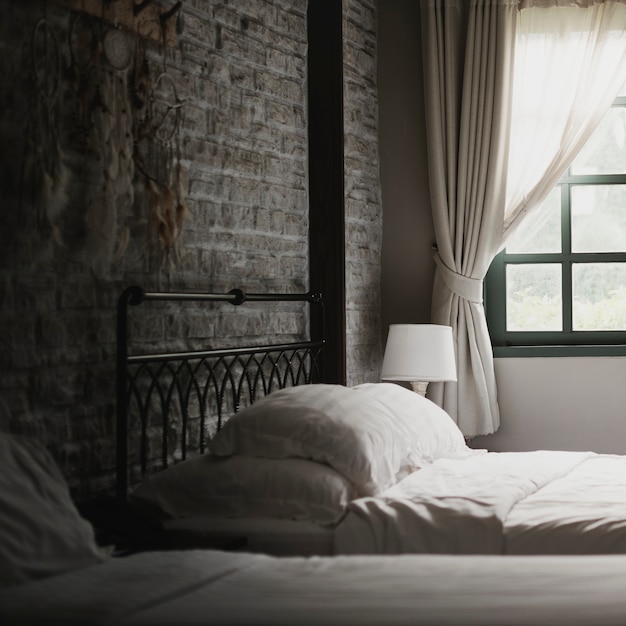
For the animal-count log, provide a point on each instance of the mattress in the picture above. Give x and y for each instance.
(205, 588)
(278, 537)
(541, 502)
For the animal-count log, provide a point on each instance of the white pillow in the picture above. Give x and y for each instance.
(244, 486)
(41, 532)
(365, 433)
(430, 432)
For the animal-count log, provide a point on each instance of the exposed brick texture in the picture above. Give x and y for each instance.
(78, 221)
(363, 198)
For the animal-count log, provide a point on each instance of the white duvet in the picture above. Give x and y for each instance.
(541, 502)
(212, 588)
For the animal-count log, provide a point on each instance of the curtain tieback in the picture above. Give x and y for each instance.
(465, 286)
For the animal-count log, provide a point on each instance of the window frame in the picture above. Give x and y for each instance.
(565, 342)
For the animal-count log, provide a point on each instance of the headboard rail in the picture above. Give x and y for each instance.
(169, 403)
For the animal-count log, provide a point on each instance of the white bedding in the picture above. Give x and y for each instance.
(482, 503)
(215, 588)
(392, 472)
(541, 502)
(584, 512)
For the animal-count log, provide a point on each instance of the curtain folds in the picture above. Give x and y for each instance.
(490, 160)
(468, 63)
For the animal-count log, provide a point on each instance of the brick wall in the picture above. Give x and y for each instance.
(215, 201)
(363, 199)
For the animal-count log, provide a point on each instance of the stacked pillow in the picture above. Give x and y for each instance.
(304, 452)
(246, 486)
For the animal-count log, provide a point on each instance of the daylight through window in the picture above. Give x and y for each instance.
(561, 280)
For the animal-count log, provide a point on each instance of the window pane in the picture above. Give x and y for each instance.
(599, 296)
(533, 297)
(541, 230)
(605, 152)
(599, 218)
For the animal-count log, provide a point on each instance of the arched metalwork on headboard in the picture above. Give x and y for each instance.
(169, 403)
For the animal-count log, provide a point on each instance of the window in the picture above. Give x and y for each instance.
(559, 286)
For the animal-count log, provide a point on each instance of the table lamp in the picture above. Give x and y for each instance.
(419, 354)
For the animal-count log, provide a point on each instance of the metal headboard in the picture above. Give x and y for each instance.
(170, 400)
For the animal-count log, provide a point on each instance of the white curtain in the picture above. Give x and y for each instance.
(486, 167)
(570, 62)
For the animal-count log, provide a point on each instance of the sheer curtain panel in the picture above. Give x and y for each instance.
(570, 62)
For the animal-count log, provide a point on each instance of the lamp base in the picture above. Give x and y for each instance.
(419, 386)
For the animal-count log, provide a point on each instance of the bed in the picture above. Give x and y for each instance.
(54, 572)
(303, 467)
(172, 400)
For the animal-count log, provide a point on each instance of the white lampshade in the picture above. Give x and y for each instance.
(419, 352)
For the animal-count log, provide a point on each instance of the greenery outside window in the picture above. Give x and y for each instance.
(559, 286)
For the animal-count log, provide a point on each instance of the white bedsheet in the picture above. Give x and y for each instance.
(540, 502)
(213, 588)
(106, 593)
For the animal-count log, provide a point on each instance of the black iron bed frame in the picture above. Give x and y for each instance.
(171, 400)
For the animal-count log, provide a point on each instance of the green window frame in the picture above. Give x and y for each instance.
(566, 341)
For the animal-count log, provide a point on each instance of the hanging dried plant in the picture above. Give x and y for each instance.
(166, 214)
(157, 158)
